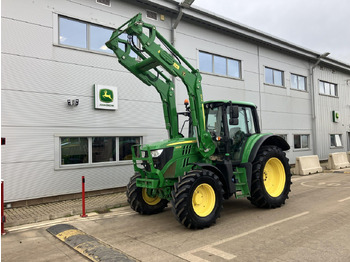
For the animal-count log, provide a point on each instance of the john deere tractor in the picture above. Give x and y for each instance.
(224, 154)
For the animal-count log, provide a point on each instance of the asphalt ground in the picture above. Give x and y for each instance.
(314, 225)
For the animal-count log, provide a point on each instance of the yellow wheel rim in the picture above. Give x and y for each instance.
(274, 177)
(203, 200)
(150, 200)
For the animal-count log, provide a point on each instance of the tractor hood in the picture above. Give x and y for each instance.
(169, 143)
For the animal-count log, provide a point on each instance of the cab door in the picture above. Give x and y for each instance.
(239, 133)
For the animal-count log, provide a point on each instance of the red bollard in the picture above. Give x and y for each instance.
(3, 218)
(83, 196)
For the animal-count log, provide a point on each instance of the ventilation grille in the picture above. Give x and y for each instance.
(151, 15)
(186, 149)
(104, 2)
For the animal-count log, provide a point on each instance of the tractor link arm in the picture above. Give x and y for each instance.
(146, 68)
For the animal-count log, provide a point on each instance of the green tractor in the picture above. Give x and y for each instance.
(225, 153)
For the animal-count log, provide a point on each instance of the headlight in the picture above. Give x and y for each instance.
(156, 153)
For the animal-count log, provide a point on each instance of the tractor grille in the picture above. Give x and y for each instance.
(186, 150)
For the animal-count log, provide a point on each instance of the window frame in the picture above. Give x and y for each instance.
(324, 88)
(89, 164)
(273, 77)
(57, 30)
(227, 74)
(301, 144)
(340, 139)
(297, 88)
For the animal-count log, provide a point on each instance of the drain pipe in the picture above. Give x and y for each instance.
(182, 5)
(313, 103)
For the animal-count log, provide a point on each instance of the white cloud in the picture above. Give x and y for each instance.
(319, 25)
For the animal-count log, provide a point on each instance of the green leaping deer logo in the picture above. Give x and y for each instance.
(106, 95)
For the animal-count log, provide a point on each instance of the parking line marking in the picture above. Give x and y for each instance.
(190, 254)
(342, 200)
(219, 253)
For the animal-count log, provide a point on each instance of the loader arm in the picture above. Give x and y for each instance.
(152, 58)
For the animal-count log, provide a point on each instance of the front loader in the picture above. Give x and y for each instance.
(224, 155)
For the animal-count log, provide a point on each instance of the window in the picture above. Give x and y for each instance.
(274, 77)
(92, 150)
(74, 150)
(103, 149)
(298, 82)
(86, 36)
(301, 141)
(219, 65)
(336, 140)
(125, 144)
(328, 88)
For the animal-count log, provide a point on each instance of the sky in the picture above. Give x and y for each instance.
(317, 25)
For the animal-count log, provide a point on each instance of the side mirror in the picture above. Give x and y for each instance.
(234, 115)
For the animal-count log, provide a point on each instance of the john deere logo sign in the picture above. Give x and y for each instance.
(336, 116)
(106, 97)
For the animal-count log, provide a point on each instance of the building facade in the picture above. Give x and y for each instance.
(58, 79)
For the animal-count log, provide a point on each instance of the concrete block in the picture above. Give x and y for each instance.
(338, 160)
(306, 165)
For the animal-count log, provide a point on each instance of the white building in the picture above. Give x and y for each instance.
(53, 51)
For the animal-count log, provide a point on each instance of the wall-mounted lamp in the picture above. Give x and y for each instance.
(73, 102)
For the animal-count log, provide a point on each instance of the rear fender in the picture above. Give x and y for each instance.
(264, 140)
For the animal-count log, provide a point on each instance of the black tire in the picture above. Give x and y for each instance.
(137, 200)
(202, 184)
(264, 193)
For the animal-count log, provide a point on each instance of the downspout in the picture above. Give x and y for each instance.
(182, 5)
(313, 103)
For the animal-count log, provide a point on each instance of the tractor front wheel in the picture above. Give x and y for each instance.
(197, 199)
(271, 178)
(141, 201)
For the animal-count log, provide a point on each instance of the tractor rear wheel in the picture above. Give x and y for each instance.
(271, 178)
(197, 199)
(140, 200)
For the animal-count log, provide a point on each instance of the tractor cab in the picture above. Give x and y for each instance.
(230, 125)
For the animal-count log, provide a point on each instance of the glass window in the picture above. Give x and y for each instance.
(328, 88)
(72, 32)
(268, 75)
(219, 65)
(233, 68)
(301, 141)
(274, 76)
(125, 144)
(302, 83)
(98, 37)
(94, 150)
(74, 150)
(205, 62)
(294, 81)
(103, 149)
(277, 78)
(298, 82)
(336, 140)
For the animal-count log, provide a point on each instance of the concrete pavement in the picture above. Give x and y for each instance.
(312, 226)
